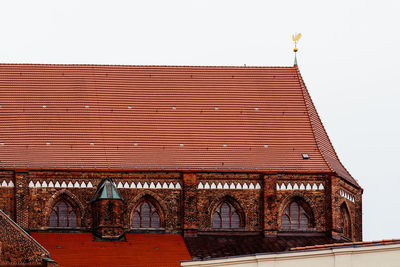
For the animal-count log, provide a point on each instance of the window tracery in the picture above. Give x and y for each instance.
(63, 215)
(295, 217)
(226, 217)
(345, 221)
(146, 215)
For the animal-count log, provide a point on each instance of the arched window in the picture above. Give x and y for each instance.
(345, 221)
(146, 215)
(295, 217)
(63, 215)
(225, 216)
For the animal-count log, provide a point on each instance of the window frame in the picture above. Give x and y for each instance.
(233, 209)
(345, 221)
(153, 209)
(296, 225)
(70, 208)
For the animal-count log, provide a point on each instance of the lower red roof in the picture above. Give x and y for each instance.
(80, 249)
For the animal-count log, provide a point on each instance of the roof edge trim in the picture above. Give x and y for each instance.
(311, 107)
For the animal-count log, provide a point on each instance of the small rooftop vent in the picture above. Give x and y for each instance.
(305, 156)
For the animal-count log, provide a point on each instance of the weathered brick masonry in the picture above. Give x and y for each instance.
(188, 208)
(17, 247)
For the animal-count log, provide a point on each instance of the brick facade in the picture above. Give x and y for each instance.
(186, 201)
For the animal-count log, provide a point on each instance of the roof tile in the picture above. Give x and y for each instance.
(148, 135)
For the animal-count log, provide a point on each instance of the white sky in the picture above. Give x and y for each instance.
(349, 57)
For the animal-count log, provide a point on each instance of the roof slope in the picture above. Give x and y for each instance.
(79, 249)
(208, 247)
(160, 117)
(16, 246)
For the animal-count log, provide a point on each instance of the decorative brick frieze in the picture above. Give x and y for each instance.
(4, 183)
(299, 186)
(347, 195)
(228, 185)
(60, 184)
(149, 185)
(120, 184)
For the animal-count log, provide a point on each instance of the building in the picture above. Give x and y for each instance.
(353, 254)
(217, 161)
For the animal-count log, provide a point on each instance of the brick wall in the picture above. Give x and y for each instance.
(7, 193)
(187, 200)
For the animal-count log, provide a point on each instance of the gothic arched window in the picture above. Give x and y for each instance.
(345, 221)
(295, 217)
(146, 215)
(225, 216)
(63, 215)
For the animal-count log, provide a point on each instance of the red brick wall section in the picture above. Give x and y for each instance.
(17, 248)
(7, 201)
(248, 201)
(354, 208)
(190, 212)
(108, 218)
(22, 199)
(270, 206)
(316, 199)
(184, 205)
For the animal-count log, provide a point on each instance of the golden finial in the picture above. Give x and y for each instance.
(296, 37)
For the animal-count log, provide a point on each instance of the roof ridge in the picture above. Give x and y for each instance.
(133, 65)
(310, 106)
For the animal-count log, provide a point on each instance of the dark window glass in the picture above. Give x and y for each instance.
(63, 215)
(155, 220)
(295, 217)
(286, 221)
(345, 221)
(146, 216)
(216, 220)
(226, 217)
(235, 220)
(136, 220)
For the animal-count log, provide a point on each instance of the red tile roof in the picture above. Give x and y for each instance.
(79, 249)
(160, 118)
